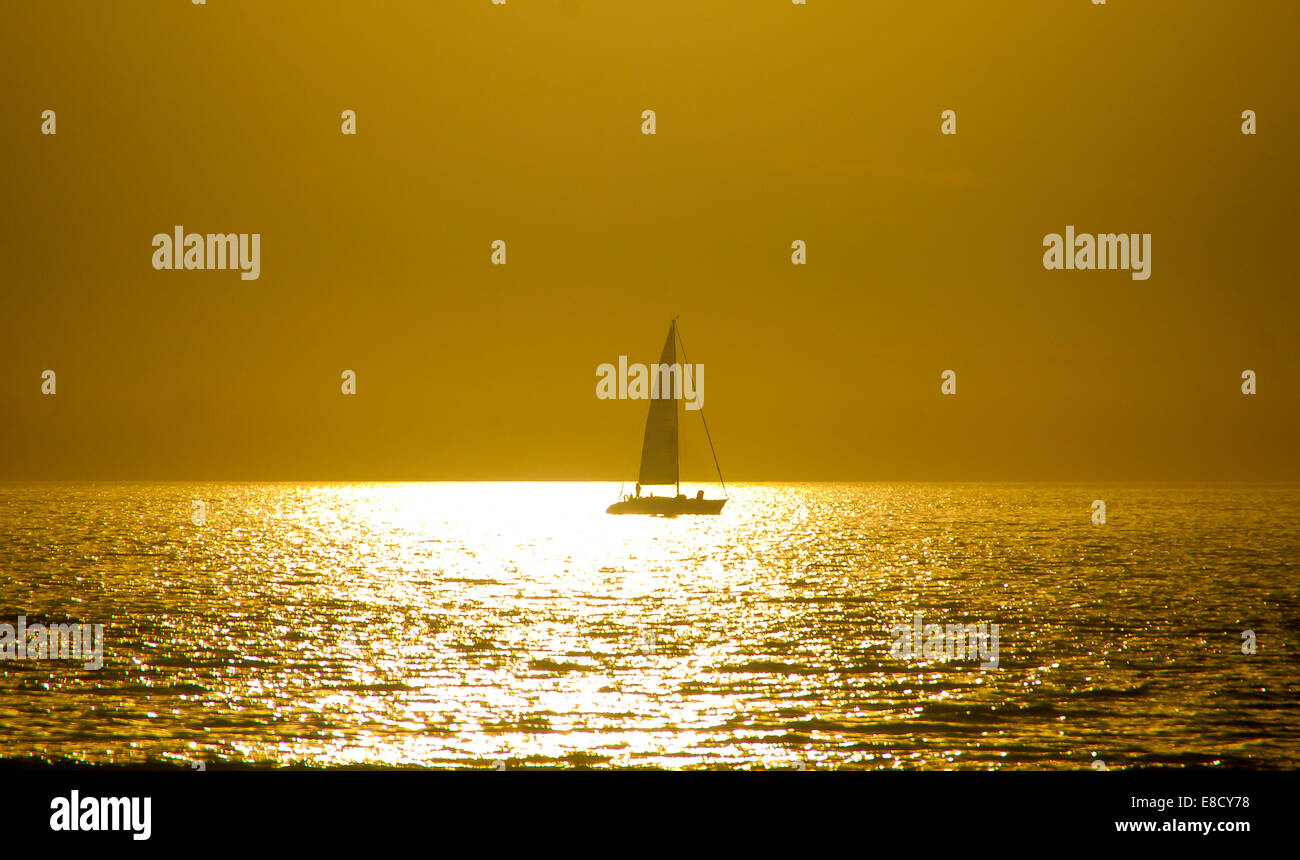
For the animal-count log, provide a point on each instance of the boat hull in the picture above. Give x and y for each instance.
(666, 506)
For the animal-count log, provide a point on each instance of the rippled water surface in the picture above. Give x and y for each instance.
(464, 624)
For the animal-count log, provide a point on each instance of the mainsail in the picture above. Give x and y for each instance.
(659, 452)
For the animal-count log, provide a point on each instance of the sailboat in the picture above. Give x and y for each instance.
(659, 455)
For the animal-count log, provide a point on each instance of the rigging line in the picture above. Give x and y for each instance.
(707, 435)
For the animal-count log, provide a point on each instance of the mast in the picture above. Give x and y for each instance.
(677, 426)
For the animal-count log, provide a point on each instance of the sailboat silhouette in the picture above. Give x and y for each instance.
(659, 454)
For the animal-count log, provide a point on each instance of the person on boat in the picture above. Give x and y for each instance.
(699, 496)
(638, 491)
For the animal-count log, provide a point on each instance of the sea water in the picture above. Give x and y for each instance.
(518, 625)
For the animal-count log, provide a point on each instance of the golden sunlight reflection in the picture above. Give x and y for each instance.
(464, 625)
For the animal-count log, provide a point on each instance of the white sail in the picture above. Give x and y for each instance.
(659, 452)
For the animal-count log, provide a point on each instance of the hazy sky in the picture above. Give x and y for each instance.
(775, 122)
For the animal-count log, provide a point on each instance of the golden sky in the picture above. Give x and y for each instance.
(775, 122)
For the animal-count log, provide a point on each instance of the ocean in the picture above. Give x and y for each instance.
(517, 626)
